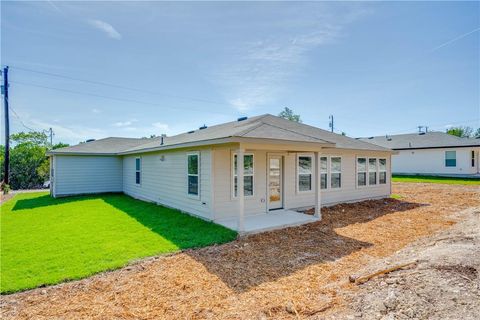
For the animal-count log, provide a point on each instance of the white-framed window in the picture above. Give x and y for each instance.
(372, 171)
(323, 172)
(450, 158)
(304, 173)
(193, 174)
(138, 171)
(382, 171)
(248, 175)
(335, 172)
(361, 172)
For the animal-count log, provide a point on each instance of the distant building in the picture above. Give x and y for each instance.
(431, 153)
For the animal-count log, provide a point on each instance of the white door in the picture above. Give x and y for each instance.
(275, 182)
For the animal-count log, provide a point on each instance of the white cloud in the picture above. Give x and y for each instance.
(127, 123)
(105, 27)
(258, 71)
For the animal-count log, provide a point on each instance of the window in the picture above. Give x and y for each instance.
(193, 171)
(372, 171)
(323, 172)
(336, 172)
(361, 172)
(247, 174)
(305, 171)
(138, 170)
(382, 171)
(473, 158)
(450, 158)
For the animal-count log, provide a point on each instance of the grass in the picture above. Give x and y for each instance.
(435, 179)
(46, 241)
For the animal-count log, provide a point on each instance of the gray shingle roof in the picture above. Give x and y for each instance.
(422, 141)
(112, 145)
(260, 127)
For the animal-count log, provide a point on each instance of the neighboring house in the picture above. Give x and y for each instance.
(431, 153)
(285, 165)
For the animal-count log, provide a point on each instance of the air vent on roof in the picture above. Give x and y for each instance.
(192, 131)
(90, 140)
(389, 139)
(421, 133)
(370, 137)
(203, 127)
(242, 118)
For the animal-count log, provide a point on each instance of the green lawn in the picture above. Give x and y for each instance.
(433, 179)
(47, 241)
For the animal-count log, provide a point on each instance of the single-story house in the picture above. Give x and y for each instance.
(431, 153)
(287, 166)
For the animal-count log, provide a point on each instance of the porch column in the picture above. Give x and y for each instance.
(240, 190)
(317, 179)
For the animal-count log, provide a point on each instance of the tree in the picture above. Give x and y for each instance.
(35, 137)
(288, 114)
(477, 133)
(462, 132)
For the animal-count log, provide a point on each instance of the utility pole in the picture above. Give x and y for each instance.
(331, 122)
(7, 125)
(50, 132)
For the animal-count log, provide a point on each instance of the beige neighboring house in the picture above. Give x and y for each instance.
(432, 153)
(288, 167)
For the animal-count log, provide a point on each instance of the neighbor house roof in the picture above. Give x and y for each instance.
(429, 140)
(266, 127)
(107, 146)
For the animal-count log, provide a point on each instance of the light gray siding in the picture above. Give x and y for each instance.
(87, 174)
(164, 180)
(227, 206)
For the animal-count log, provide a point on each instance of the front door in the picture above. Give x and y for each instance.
(275, 183)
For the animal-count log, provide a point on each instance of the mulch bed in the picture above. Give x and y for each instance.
(289, 273)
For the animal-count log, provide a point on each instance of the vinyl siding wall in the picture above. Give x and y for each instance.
(86, 174)
(432, 161)
(165, 181)
(227, 206)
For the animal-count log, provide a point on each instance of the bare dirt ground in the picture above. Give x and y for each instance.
(300, 272)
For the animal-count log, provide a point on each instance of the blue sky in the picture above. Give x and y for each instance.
(377, 67)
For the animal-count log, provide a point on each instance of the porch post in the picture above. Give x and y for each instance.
(317, 179)
(240, 190)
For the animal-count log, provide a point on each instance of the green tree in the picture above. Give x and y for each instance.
(288, 114)
(39, 138)
(477, 133)
(462, 132)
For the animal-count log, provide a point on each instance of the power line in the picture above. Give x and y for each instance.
(114, 98)
(120, 86)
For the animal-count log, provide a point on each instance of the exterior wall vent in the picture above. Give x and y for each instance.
(242, 118)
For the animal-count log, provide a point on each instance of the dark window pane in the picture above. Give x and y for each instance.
(248, 186)
(323, 181)
(248, 164)
(193, 185)
(383, 178)
(304, 182)
(450, 162)
(137, 177)
(193, 164)
(336, 180)
(336, 164)
(362, 179)
(304, 165)
(372, 178)
(323, 164)
(137, 164)
(361, 164)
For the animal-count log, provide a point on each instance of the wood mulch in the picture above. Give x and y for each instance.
(291, 273)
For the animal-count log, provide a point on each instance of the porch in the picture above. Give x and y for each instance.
(276, 219)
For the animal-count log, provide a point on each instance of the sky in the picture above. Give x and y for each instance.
(133, 69)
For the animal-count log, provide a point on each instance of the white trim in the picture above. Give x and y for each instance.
(330, 173)
(357, 172)
(312, 173)
(191, 195)
(140, 171)
(381, 171)
(232, 168)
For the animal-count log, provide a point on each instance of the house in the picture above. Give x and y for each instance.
(287, 166)
(431, 153)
